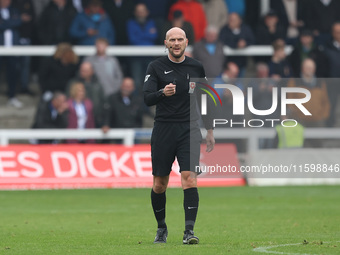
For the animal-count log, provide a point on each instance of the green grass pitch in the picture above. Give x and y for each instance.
(233, 220)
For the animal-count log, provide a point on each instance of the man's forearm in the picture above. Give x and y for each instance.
(152, 98)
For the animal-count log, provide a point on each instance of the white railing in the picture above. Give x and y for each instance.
(129, 135)
(129, 51)
(50, 134)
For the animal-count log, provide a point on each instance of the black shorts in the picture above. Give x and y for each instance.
(170, 140)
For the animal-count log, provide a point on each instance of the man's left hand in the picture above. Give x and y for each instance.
(210, 140)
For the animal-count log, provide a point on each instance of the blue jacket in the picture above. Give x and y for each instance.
(238, 6)
(141, 35)
(82, 22)
(13, 23)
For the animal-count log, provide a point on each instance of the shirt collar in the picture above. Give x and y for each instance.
(176, 62)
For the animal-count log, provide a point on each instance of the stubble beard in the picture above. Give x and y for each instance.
(177, 56)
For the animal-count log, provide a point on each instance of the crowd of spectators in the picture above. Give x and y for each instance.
(98, 85)
(90, 94)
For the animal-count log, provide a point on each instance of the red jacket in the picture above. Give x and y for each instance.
(73, 121)
(192, 12)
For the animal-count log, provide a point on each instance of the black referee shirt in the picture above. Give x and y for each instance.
(175, 108)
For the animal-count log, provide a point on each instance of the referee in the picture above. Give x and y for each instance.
(176, 132)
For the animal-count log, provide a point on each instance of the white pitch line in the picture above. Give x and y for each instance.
(265, 249)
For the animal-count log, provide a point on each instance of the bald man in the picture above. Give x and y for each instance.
(176, 134)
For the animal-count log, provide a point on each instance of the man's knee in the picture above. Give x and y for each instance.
(189, 180)
(159, 188)
(160, 184)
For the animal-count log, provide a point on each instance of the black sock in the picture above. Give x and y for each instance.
(158, 205)
(190, 207)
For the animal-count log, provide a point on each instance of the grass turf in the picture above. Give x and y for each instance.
(231, 220)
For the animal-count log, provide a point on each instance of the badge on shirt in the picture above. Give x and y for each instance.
(147, 77)
(192, 86)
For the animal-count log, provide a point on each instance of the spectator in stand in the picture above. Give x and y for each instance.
(79, 5)
(92, 24)
(238, 6)
(106, 68)
(263, 90)
(292, 15)
(141, 32)
(193, 12)
(159, 11)
(80, 111)
(26, 34)
(39, 6)
(125, 107)
(56, 71)
(178, 21)
(269, 30)
(209, 51)
(120, 11)
(94, 91)
(333, 51)
(333, 55)
(52, 114)
(255, 9)
(307, 48)
(141, 29)
(238, 36)
(10, 22)
(55, 21)
(263, 99)
(229, 75)
(322, 14)
(279, 66)
(318, 105)
(216, 12)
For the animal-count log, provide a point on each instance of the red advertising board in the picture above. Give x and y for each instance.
(99, 166)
